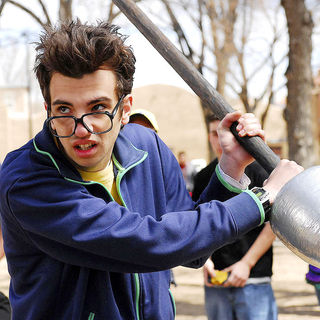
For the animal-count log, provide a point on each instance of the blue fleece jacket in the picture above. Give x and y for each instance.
(73, 253)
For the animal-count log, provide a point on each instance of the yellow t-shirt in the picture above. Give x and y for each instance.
(105, 177)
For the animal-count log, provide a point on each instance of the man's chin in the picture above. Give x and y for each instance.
(84, 166)
(81, 164)
(88, 166)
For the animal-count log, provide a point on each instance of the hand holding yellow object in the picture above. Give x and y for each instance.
(220, 278)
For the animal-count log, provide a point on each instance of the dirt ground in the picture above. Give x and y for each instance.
(295, 298)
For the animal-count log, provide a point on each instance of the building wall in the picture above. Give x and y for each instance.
(179, 116)
(14, 121)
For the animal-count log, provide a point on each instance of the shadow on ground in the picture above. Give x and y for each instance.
(299, 310)
(281, 294)
(186, 308)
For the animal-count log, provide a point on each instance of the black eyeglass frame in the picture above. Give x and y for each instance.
(80, 120)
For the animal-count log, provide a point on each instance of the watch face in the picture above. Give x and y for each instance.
(263, 196)
(261, 193)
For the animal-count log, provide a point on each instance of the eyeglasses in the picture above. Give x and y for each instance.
(95, 122)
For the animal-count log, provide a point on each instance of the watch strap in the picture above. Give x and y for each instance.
(263, 196)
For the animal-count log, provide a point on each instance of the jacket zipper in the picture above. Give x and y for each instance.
(136, 275)
(138, 292)
(91, 316)
(119, 177)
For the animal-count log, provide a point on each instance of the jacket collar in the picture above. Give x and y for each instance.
(125, 154)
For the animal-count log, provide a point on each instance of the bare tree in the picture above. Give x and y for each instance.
(222, 21)
(224, 49)
(42, 19)
(246, 76)
(228, 47)
(298, 113)
(65, 10)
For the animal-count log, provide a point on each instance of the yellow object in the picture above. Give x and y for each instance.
(220, 278)
(148, 115)
(105, 177)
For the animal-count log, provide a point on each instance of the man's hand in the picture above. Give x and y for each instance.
(239, 274)
(208, 271)
(235, 158)
(284, 171)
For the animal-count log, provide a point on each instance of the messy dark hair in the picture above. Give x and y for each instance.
(75, 49)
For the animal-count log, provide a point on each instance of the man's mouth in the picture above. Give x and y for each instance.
(85, 147)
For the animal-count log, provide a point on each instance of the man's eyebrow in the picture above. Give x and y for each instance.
(93, 101)
(100, 99)
(58, 101)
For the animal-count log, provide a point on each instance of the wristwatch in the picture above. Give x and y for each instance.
(263, 196)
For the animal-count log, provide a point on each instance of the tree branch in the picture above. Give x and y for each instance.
(45, 11)
(203, 42)
(233, 88)
(111, 15)
(27, 11)
(235, 78)
(3, 2)
(183, 41)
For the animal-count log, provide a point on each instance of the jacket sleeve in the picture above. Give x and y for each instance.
(178, 198)
(63, 220)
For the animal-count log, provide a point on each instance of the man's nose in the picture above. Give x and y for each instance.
(81, 130)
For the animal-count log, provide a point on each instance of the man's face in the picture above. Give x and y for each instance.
(213, 137)
(75, 97)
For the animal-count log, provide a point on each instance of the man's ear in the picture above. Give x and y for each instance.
(126, 109)
(48, 114)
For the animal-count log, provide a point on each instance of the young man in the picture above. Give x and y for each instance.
(94, 216)
(247, 293)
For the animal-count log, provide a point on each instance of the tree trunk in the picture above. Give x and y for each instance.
(65, 10)
(298, 113)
